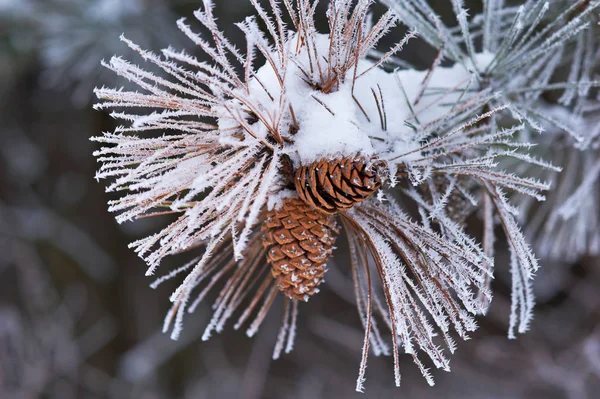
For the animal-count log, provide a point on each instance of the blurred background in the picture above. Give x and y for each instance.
(77, 318)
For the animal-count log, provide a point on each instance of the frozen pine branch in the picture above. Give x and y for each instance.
(257, 164)
(416, 267)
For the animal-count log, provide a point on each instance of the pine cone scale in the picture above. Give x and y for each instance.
(275, 254)
(314, 195)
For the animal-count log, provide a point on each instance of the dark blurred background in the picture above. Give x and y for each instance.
(77, 318)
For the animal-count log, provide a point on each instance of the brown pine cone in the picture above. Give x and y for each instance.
(333, 185)
(299, 240)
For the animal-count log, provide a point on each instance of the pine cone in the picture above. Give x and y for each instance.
(299, 240)
(333, 185)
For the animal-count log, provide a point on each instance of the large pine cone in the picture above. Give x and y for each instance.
(333, 185)
(299, 240)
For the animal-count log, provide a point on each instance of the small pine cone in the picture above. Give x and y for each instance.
(333, 185)
(299, 240)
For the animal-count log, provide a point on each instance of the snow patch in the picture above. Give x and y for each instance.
(377, 115)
